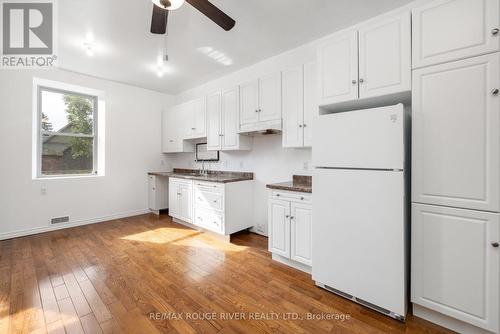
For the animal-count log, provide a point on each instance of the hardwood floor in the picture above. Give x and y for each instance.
(148, 275)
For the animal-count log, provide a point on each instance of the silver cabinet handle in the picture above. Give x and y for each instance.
(361, 81)
(260, 110)
(256, 110)
(495, 91)
(287, 216)
(171, 141)
(495, 32)
(215, 201)
(179, 194)
(292, 217)
(495, 244)
(304, 125)
(354, 82)
(193, 128)
(302, 198)
(277, 195)
(300, 125)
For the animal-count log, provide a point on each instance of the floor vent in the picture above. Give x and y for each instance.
(338, 292)
(59, 220)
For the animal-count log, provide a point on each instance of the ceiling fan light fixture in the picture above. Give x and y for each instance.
(169, 4)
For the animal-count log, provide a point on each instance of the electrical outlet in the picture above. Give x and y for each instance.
(305, 166)
(162, 162)
(241, 164)
(43, 191)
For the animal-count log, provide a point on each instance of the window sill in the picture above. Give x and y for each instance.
(66, 177)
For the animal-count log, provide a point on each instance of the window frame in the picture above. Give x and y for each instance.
(40, 132)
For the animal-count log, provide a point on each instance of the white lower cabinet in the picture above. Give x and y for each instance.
(290, 226)
(455, 264)
(158, 193)
(223, 208)
(180, 199)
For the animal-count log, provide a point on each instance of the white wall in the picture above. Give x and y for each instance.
(133, 146)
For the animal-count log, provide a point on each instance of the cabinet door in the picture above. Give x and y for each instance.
(385, 56)
(230, 110)
(270, 97)
(446, 30)
(214, 122)
(455, 266)
(249, 102)
(338, 69)
(292, 91)
(456, 141)
(311, 110)
(198, 125)
(185, 202)
(171, 132)
(301, 233)
(279, 231)
(173, 198)
(152, 193)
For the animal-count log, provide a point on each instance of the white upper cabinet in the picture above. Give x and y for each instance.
(222, 122)
(385, 56)
(372, 60)
(231, 140)
(456, 134)
(197, 119)
(447, 30)
(455, 263)
(270, 97)
(310, 100)
(213, 102)
(249, 106)
(173, 132)
(260, 103)
(338, 68)
(293, 107)
(299, 104)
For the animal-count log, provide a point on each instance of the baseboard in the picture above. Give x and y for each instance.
(446, 321)
(292, 263)
(22, 233)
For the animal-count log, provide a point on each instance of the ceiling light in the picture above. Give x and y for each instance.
(89, 48)
(168, 4)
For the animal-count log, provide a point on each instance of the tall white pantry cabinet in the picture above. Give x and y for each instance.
(456, 164)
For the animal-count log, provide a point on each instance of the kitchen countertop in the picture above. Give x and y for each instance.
(212, 176)
(300, 183)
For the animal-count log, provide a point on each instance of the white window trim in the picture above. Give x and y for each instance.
(37, 133)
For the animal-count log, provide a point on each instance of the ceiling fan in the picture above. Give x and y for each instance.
(162, 7)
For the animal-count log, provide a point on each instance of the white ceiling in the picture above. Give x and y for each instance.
(125, 50)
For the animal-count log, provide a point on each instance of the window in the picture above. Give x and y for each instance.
(67, 132)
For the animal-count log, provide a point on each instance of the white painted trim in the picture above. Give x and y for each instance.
(446, 321)
(22, 233)
(292, 263)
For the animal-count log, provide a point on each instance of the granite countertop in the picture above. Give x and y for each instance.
(212, 176)
(300, 183)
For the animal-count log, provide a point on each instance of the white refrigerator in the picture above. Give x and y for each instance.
(360, 207)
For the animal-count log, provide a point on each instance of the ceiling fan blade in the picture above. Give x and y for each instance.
(159, 20)
(213, 13)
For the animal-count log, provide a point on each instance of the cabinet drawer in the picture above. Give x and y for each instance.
(291, 196)
(209, 199)
(180, 181)
(209, 186)
(209, 220)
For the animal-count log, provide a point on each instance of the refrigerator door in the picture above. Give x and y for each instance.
(359, 235)
(370, 138)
